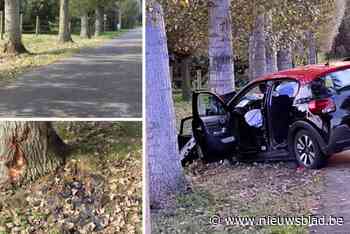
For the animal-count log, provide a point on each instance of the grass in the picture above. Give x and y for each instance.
(44, 49)
(106, 159)
(246, 190)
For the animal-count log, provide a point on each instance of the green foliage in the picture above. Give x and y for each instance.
(130, 13)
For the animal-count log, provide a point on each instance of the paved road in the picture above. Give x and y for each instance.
(335, 199)
(100, 82)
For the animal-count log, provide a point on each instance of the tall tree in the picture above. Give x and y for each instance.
(64, 34)
(221, 70)
(271, 51)
(99, 20)
(285, 58)
(166, 175)
(260, 45)
(14, 43)
(28, 150)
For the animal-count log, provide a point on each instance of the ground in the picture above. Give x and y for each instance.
(99, 190)
(253, 190)
(105, 81)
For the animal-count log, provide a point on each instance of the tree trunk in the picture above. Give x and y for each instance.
(251, 54)
(271, 52)
(14, 43)
(84, 31)
(186, 79)
(312, 50)
(285, 58)
(99, 21)
(28, 150)
(64, 34)
(166, 174)
(260, 46)
(221, 69)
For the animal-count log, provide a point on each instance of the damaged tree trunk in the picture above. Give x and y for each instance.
(14, 43)
(163, 159)
(28, 150)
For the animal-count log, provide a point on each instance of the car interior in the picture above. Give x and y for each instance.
(251, 130)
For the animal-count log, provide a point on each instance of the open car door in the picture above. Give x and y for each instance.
(212, 126)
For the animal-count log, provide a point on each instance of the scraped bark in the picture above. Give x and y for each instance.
(221, 69)
(166, 174)
(28, 150)
(14, 43)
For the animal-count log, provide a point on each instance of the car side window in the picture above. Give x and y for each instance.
(254, 95)
(285, 88)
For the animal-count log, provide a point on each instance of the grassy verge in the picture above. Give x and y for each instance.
(246, 190)
(45, 50)
(99, 190)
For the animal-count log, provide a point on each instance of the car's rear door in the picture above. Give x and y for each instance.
(212, 126)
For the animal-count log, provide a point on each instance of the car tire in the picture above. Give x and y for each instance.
(307, 151)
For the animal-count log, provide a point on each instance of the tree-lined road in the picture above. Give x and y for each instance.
(97, 82)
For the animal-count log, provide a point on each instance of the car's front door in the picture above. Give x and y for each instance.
(212, 126)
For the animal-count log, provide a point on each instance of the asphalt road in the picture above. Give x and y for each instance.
(99, 82)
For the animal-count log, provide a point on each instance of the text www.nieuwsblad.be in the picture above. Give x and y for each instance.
(277, 220)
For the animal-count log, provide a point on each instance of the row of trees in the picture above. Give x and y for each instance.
(48, 11)
(268, 35)
(271, 35)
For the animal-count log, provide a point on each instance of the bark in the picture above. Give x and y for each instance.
(260, 46)
(285, 58)
(271, 51)
(221, 69)
(14, 43)
(64, 34)
(312, 50)
(166, 174)
(28, 150)
(84, 31)
(99, 21)
(251, 50)
(186, 78)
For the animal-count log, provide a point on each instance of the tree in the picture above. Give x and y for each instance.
(260, 46)
(29, 150)
(64, 34)
(99, 12)
(14, 43)
(166, 175)
(221, 70)
(83, 8)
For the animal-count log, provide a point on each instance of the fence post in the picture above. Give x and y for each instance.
(1, 25)
(199, 79)
(37, 26)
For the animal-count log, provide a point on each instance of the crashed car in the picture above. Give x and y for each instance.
(300, 114)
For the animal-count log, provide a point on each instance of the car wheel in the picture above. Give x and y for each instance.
(307, 150)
